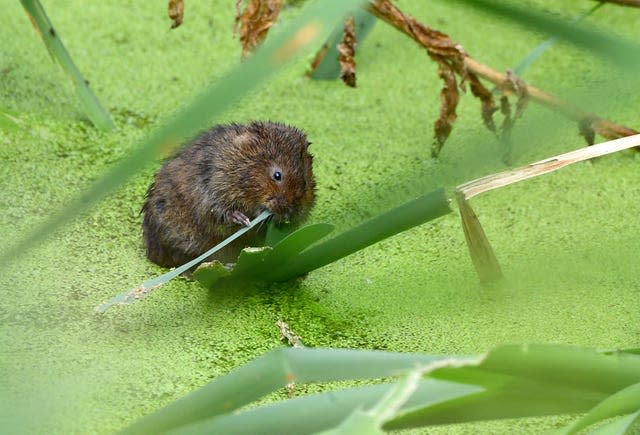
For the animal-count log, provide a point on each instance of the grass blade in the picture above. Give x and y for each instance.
(315, 22)
(525, 63)
(96, 113)
(627, 425)
(623, 402)
(9, 120)
(143, 290)
(509, 382)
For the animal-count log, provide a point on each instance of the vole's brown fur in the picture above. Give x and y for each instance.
(226, 175)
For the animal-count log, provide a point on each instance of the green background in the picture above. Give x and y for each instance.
(567, 241)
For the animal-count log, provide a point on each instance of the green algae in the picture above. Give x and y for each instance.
(567, 241)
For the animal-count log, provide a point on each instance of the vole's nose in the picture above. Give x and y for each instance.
(280, 207)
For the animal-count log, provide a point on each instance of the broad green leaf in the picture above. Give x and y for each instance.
(254, 263)
(275, 233)
(290, 257)
(314, 24)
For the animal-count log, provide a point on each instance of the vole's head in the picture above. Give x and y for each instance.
(281, 177)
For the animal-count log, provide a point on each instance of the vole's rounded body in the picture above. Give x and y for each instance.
(225, 177)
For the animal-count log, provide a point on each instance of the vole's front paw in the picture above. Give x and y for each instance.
(238, 218)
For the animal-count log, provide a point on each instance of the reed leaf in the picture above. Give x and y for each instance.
(94, 110)
(290, 257)
(275, 370)
(509, 382)
(623, 402)
(620, 52)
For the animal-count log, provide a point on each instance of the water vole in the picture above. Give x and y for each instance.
(225, 177)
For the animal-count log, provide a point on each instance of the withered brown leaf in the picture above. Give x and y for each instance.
(449, 98)
(176, 12)
(254, 22)
(450, 58)
(347, 50)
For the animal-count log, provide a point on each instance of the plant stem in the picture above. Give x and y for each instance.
(494, 181)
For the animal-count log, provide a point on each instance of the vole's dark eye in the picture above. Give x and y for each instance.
(277, 175)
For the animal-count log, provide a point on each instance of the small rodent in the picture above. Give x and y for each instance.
(217, 183)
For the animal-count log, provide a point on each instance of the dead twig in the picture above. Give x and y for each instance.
(294, 341)
(603, 127)
(452, 58)
(286, 333)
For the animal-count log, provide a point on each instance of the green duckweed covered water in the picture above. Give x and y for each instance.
(567, 241)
